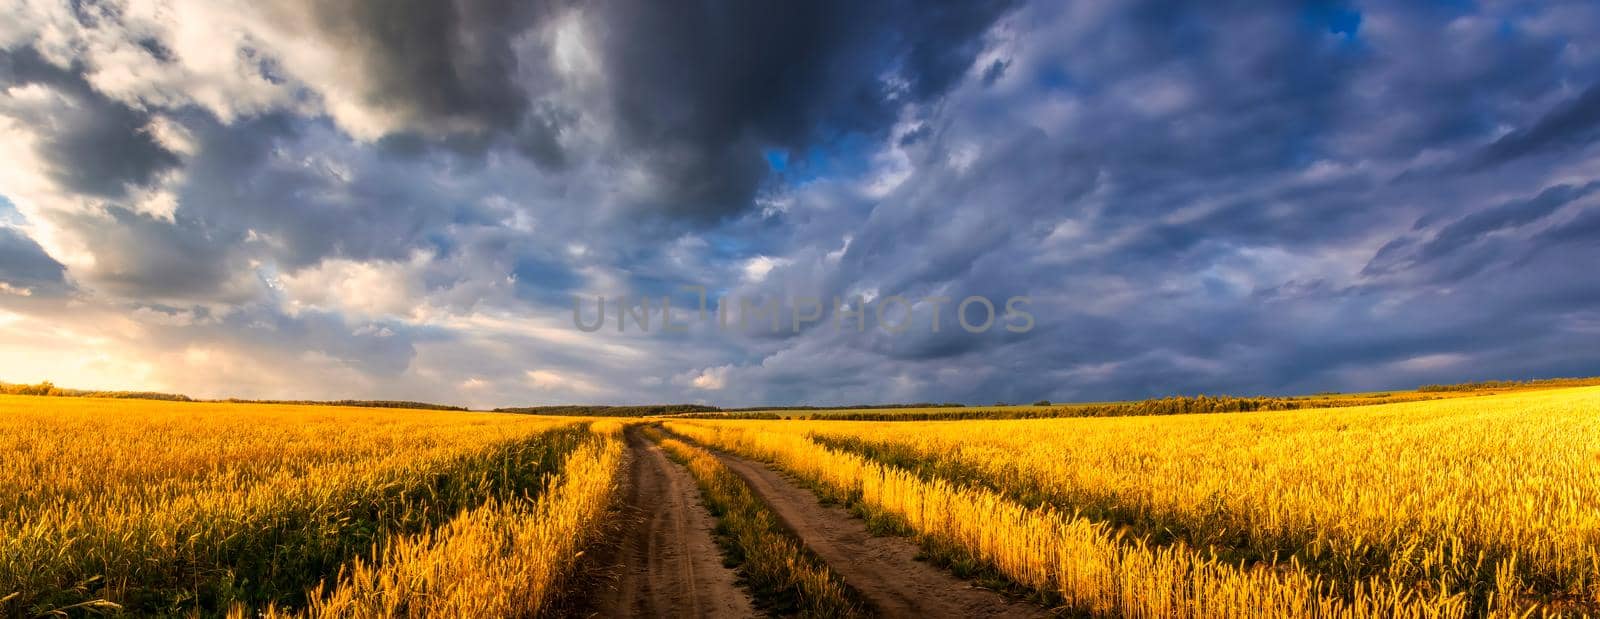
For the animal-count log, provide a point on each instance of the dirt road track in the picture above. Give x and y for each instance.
(883, 569)
(667, 564)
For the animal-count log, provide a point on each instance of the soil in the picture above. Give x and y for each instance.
(884, 569)
(666, 563)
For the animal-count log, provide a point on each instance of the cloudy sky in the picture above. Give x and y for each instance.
(301, 199)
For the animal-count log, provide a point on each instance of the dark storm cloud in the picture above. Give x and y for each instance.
(1452, 75)
(702, 89)
(96, 146)
(1459, 248)
(309, 196)
(1227, 197)
(437, 63)
(1572, 123)
(23, 263)
(145, 258)
(1585, 228)
(1202, 257)
(698, 93)
(1506, 216)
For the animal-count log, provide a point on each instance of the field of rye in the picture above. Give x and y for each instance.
(1460, 507)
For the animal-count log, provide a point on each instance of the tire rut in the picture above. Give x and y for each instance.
(666, 564)
(883, 569)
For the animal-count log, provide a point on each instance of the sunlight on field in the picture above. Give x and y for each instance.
(1459, 507)
(157, 507)
(1456, 506)
(502, 559)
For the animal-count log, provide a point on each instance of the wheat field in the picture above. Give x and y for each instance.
(1444, 508)
(1461, 507)
(159, 508)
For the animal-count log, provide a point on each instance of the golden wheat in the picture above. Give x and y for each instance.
(1448, 508)
(168, 508)
(504, 559)
(1450, 491)
(1470, 506)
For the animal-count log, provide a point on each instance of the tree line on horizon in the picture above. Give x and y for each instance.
(46, 388)
(1173, 405)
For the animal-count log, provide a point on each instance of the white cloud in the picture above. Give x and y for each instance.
(757, 268)
(373, 330)
(1424, 363)
(370, 289)
(712, 379)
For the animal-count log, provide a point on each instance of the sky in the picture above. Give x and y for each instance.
(403, 200)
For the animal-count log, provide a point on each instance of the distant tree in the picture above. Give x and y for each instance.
(586, 410)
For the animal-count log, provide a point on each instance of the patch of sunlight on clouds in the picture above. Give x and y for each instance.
(757, 268)
(1431, 362)
(369, 289)
(548, 380)
(712, 379)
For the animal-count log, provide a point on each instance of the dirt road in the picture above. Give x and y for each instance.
(883, 569)
(667, 564)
